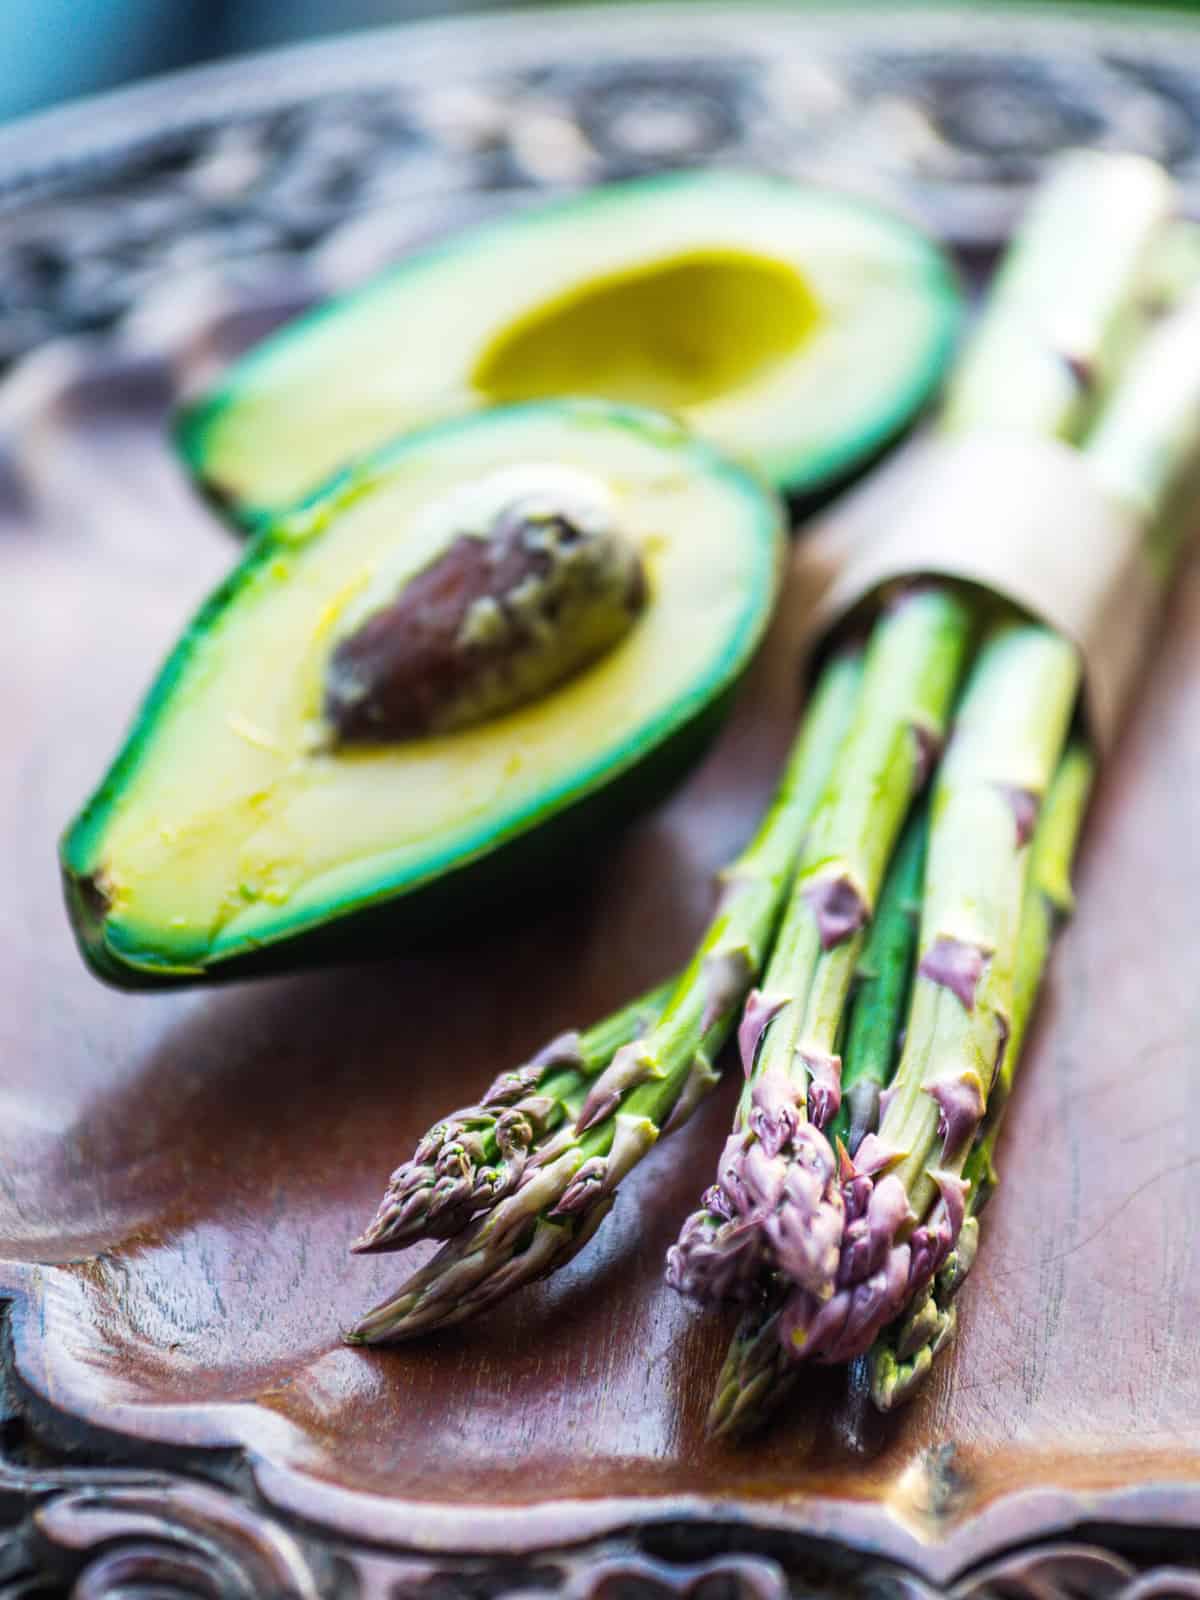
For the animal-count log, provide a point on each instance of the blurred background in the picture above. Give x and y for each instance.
(272, 181)
(56, 49)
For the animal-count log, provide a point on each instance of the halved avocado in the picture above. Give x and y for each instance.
(266, 814)
(797, 328)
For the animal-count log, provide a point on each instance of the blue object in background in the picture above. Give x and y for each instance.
(55, 49)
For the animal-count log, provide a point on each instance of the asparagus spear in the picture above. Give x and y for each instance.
(1144, 448)
(1055, 335)
(473, 1158)
(758, 1372)
(1067, 304)
(568, 1183)
(777, 1205)
(905, 1197)
(1011, 725)
(903, 1355)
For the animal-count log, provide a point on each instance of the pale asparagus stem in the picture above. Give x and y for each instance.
(776, 1205)
(1067, 304)
(1049, 901)
(904, 1353)
(914, 659)
(758, 1372)
(567, 1188)
(1056, 333)
(1008, 738)
(1144, 449)
(907, 1184)
(474, 1157)
(1174, 268)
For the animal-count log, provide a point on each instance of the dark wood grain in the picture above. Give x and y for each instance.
(179, 1175)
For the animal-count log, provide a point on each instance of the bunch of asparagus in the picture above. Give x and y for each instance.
(883, 937)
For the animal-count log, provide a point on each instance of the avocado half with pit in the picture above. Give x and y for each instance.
(465, 659)
(797, 328)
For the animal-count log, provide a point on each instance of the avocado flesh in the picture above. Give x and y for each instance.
(796, 328)
(231, 822)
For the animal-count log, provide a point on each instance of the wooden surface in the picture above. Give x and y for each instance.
(179, 1175)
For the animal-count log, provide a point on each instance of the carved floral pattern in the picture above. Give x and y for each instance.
(252, 166)
(98, 1532)
(344, 167)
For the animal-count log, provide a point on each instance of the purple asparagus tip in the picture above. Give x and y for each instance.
(803, 1230)
(775, 1206)
(933, 1242)
(870, 1236)
(872, 1269)
(714, 1259)
(846, 1325)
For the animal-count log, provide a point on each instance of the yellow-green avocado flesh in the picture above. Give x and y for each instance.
(796, 328)
(231, 835)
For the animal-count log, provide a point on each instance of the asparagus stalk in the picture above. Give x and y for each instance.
(905, 1194)
(473, 1158)
(485, 1254)
(652, 1082)
(758, 1372)
(1144, 448)
(777, 1205)
(903, 1355)
(1056, 333)
(884, 975)
(1049, 901)
(1067, 304)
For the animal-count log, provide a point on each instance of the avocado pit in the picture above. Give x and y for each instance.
(506, 612)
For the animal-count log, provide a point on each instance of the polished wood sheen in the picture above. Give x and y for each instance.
(180, 1174)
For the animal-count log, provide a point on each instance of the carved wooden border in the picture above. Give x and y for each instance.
(99, 1532)
(338, 154)
(72, 1521)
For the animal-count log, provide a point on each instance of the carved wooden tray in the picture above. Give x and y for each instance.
(179, 1176)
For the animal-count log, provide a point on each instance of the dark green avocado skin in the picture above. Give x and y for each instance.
(502, 879)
